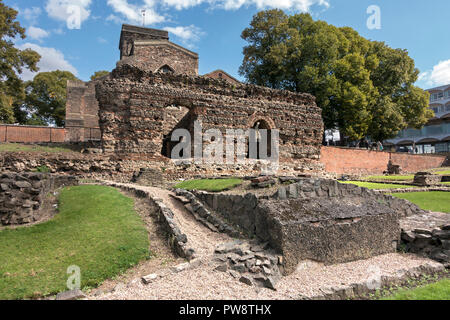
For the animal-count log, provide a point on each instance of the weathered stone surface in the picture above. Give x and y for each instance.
(149, 278)
(24, 195)
(427, 179)
(71, 295)
(133, 111)
(247, 280)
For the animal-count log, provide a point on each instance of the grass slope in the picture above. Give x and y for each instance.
(16, 147)
(438, 201)
(435, 291)
(213, 185)
(97, 229)
(372, 185)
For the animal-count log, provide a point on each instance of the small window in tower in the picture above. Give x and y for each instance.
(165, 69)
(220, 75)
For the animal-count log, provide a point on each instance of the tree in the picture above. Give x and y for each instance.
(46, 97)
(12, 63)
(99, 74)
(364, 88)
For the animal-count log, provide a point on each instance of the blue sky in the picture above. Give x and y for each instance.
(212, 28)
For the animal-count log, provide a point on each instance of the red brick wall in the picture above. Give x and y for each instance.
(414, 163)
(31, 134)
(364, 162)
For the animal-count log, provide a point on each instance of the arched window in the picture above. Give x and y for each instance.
(165, 69)
(261, 141)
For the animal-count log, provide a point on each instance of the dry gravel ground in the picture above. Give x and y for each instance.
(204, 283)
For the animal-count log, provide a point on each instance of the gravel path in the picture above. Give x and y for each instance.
(203, 283)
(200, 238)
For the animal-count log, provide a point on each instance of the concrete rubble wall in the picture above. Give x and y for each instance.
(23, 195)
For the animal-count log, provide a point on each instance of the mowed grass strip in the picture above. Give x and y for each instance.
(373, 185)
(212, 185)
(96, 229)
(391, 178)
(437, 201)
(435, 291)
(18, 147)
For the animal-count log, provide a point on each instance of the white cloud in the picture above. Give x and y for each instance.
(132, 13)
(60, 9)
(37, 33)
(51, 60)
(102, 40)
(302, 5)
(188, 34)
(31, 14)
(438, 76)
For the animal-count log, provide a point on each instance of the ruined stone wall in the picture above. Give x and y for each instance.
(317, 219)
(23, 195)
(133, 108)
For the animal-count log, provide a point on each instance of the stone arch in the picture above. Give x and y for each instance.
(261, 123)
(259, 117)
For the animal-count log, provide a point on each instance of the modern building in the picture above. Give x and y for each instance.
(434, 137)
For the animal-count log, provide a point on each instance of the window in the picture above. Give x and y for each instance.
(165, 69)
(448, 94)
(447, 107)
(440, 95)
(435, 109)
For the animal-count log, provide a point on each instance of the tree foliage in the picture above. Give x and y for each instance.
(46, 97)
(364, 88)
(99, 74)
(12, 63)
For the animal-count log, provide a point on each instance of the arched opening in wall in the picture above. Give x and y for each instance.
(260, 145)
(165, 69)
(175, 117)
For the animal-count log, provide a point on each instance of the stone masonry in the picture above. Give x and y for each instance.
(23, 195)
(316, 219)
(134, 107)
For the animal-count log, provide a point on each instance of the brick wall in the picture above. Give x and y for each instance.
(31, 134)
(363, 162)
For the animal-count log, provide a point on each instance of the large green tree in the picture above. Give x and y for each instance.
(46, 97)
(99, 74)
(12, 63)
(364, 88)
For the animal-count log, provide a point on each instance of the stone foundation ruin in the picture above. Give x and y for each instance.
(316, 219)
(24, 197)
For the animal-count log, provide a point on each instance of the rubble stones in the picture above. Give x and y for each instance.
(256, 268)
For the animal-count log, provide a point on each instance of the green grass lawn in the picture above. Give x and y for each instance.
(435, 291)
(15, 147)
(213, 185)
(391, 178)
(444, 172)
(438, 201)
(372, 185)
(96, 229)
